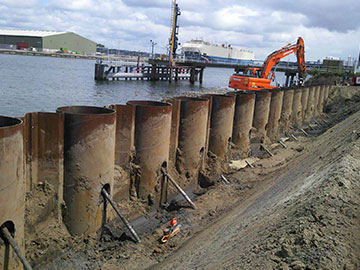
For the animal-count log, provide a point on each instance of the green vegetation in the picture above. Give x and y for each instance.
(317, 77)
(316, 73)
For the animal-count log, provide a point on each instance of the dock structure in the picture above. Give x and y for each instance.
(154, 71)
(184, 69)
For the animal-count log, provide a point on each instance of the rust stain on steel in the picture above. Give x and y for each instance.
(192, 134)
(89, 152)
(209, 97)
(243, 119)
(152, 144)
(316, 101)
(261, 114)
(221, 124)
(321, 99)
(309, 112)
(175, 123)
(51, 149)
(304, 102)
(275, 114)
(125, 126)
(31, 148)
(12, 186)
(286, 111)
(296, 108)
(44, 149)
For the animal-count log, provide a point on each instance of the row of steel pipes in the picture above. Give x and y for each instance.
(76, 148)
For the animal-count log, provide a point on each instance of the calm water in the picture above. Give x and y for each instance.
(30, 83)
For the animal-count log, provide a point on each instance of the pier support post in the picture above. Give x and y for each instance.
(176, 74)
(169, 72)
(99, 72)
(192, 75)
(201, 75)
(153, 72)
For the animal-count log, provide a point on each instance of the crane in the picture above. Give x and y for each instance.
(258, 78)
(174, 31)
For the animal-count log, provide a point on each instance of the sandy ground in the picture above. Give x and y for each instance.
(296, 210)
(305, 218)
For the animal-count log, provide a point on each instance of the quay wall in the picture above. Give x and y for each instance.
(77, 149)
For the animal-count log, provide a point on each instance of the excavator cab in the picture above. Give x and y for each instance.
(253, 72)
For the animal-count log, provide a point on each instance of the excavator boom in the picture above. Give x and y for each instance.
(263, 81)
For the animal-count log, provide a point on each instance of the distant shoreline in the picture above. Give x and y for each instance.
(73, 56)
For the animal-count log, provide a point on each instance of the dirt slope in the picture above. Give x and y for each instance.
(306, 218)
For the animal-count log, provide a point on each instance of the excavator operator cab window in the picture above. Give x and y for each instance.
(257, 73)
(248, 72)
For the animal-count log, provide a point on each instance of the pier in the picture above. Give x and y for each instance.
(185, 69)
(154, 71)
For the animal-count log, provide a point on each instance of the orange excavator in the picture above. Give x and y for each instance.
(258, 78)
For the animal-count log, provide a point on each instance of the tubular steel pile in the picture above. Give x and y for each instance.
(77, 148)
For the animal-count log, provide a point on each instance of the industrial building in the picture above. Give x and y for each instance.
(46, 41)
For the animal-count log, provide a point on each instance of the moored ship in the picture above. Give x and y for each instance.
(210, 52)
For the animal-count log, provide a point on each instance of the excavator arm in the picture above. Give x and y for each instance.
(274, 58)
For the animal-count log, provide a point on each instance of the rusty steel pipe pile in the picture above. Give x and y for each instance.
(243, 119)
(192, 135)
(76, 149)
(152, 141)
(304, 102)
(321, 99)
(275, 114)
(286, 111)
(221, 124)
(124, 140)
(261, 114)
(89, 153)
(12, 189)
(296, 120)
(175, 123)
(309, 112)
(316, 101)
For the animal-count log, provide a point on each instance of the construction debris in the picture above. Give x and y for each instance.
(242, 163)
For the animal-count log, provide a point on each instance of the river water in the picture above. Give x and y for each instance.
(33, 83)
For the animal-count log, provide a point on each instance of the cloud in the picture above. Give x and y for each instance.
(328, 27)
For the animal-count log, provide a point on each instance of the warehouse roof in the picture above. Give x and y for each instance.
(29, 33)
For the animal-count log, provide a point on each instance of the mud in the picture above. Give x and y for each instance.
(296, 210)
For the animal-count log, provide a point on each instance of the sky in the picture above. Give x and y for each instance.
(328, 27)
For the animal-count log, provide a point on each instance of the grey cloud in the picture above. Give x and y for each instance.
(263, 25)
(333, 15)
